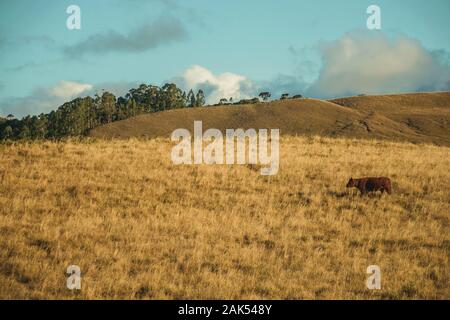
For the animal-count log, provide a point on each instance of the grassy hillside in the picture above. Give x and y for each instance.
(421, 117)
(140, 227)
(415, 117)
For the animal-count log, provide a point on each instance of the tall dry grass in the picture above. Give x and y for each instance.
(140, 227)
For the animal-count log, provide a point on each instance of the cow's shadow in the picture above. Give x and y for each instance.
(339, 195)
(354, 194)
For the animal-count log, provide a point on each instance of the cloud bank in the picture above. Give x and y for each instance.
(363, 62)
(163, 31)
(69, 89)
(47, 99)
(44, 100)
(359, 62)
(224, 85)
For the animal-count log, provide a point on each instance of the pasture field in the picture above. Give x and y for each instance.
(141, 228)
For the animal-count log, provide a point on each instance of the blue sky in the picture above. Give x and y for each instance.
(228, 47)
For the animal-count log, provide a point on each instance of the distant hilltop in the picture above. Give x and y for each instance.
(414, 117)
(152, 111)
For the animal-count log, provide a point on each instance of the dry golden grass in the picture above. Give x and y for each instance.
(140, 227)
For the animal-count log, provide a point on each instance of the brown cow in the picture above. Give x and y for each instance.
(366, 185)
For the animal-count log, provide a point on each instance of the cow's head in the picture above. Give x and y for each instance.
(351, 183)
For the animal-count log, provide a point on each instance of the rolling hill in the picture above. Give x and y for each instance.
(414, 117)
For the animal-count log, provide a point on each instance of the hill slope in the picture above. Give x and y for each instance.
(417, 117)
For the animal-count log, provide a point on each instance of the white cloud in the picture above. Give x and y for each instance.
(358, 62)
(44, 99)
(69, 89)
(224, 85)
(363, 62)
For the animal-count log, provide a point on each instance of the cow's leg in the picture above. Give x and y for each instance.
(363, 192)
(389, 189)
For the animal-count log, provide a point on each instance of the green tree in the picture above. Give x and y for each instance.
(79, 116)
(265, 95)
(190, 101)
(172, 97)
(200, 98)
(7, 133)
(24, 132)
(107, 107)
(38, 127)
